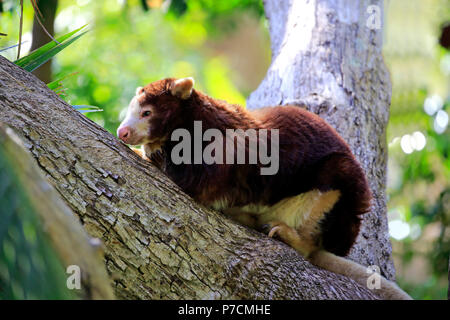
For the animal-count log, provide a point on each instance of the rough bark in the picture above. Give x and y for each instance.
(326, 54)
(158, 242)
(68, 238)
(40, 37)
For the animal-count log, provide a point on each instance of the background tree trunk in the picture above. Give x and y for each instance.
(326, 55)
(161, 244)
(40, 37)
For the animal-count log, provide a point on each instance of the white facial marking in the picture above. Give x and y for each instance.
(132, 116)
(139, 126)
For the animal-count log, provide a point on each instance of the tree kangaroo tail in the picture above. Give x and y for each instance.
(388, 290)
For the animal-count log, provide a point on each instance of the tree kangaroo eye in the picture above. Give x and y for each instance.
(146, 114)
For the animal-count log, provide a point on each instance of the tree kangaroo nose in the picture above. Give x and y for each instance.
(123, 133)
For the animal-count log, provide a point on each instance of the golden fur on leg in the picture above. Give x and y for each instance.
(303, 244)
(302, 233)
(310, 227)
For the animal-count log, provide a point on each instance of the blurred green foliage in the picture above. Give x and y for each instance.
(29, 267)
(129, 47)
(419, 145)
(135, 42)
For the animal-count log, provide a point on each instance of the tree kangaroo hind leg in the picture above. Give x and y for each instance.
(296, 221)
(303, 230)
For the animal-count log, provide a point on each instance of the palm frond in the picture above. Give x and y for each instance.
(41, 55)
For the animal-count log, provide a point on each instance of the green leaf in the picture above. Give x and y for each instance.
(56, 83)
(41, 55)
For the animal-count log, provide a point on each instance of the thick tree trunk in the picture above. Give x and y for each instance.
(326, 55)
(158, 242)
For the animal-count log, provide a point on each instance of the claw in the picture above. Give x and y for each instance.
(273, 231)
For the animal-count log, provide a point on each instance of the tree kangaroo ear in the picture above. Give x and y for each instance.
(182, 88)
(139, 90)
